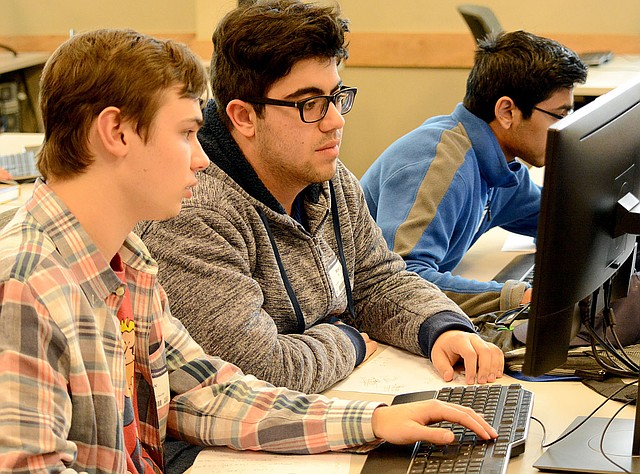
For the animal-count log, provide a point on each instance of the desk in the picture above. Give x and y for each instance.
(556, 404)
(11, 63)
(603, 78)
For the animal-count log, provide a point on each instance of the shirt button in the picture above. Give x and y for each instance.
(120, 291)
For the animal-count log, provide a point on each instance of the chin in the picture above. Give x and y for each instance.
(168, 213)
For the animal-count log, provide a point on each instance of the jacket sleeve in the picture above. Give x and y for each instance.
(434, 242)
(392, 304)
(215, 404)
(509, 296)
(207, 271)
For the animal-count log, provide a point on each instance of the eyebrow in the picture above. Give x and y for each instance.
(193, 120)
(565, 107)
(312, 90)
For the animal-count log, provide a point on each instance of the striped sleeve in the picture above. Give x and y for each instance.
(228, 408)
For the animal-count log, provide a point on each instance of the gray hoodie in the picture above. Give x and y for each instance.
(225, 278)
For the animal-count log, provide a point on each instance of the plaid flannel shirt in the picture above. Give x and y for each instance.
(62, 383)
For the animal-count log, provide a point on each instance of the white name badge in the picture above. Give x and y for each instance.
(161, 390)
(336, 277)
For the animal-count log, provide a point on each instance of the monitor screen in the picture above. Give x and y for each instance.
(585, 236)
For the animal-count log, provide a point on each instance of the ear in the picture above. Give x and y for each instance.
(506, 112)
(243, 117)
(112, 131)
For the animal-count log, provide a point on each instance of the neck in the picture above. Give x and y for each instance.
(283, 193)
(282, 189)
(499, 132)
(97, 210)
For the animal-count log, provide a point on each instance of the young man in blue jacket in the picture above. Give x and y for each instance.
(436, 190)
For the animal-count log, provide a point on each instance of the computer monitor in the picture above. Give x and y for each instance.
(586, 238)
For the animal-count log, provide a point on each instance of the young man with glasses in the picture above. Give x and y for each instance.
(436, 190)
(275, 263)
(95, 370)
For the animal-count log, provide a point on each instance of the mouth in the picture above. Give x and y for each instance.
(189, 189)
(331, 146)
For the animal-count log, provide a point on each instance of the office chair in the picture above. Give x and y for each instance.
(481, 20)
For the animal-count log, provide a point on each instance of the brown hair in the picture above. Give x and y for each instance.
(257, 44)
(103, 68)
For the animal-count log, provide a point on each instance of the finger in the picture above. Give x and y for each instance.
(485, 367)
(464, 416)
(442, 364)
(490, 360)
(372, 346)
(470, 357)
(468, 418)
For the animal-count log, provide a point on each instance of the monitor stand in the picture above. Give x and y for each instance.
(580, 451)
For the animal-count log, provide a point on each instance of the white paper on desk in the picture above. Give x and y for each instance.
(395, 371)
(230, 461)
(518, 243)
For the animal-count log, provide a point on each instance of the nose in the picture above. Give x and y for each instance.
(333, 119)
(199, 159)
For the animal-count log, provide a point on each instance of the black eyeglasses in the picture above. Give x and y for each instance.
(313, 109)
(554, 115)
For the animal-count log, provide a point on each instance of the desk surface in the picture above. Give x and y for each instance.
(603, 78)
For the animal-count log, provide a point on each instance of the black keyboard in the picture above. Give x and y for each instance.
(506, 408)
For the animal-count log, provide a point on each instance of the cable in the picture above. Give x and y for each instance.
(609, 320)
(589, 415)
(604, 431)
(588, 320)
(544, 430)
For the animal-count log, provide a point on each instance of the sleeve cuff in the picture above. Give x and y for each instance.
(357, 341)
(433, 327)
(348, 426)
(512, 293)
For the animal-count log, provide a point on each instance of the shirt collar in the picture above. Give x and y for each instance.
(76, 248)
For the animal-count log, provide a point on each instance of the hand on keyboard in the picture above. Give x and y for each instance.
(403, 424)
(505, 407)
(483, 361)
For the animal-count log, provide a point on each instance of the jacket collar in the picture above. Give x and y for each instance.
(491, 160)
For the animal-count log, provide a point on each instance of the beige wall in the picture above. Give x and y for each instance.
(56, 17)
(25, 17)
(566, 16)
(390, 101)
